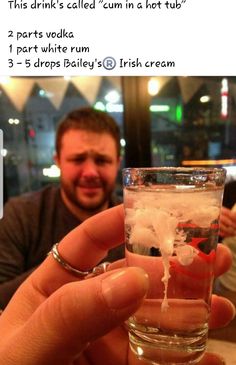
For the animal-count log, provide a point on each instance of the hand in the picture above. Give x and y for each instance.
(227, 222)
(56, 319)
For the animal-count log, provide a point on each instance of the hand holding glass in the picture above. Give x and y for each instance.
(171, 227)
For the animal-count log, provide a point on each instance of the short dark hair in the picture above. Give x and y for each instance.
(88, 119)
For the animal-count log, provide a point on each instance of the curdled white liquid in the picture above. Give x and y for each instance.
(153, 219)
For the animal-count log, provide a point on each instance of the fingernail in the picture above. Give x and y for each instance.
(125, 287)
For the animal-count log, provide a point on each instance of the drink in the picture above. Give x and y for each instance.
(172, 232)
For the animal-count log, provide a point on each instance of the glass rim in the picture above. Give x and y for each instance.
(170, 169)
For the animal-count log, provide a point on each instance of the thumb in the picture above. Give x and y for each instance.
(78, 313)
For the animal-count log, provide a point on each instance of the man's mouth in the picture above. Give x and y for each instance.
(90, 185)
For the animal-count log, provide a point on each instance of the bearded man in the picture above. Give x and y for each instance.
(88, 155)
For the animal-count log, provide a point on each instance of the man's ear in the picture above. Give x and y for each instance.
(56, 160)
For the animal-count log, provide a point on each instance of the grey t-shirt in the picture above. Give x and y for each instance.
(31, 224)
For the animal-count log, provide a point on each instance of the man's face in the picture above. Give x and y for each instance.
(89, 166)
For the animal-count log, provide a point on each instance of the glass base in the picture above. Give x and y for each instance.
(168, 349)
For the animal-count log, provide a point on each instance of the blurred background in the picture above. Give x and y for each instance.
(164, 121)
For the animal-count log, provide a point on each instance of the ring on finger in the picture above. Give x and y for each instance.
(97, 270)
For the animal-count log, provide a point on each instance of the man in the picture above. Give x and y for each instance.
(228, 213)
(88, 155)
(226, 284)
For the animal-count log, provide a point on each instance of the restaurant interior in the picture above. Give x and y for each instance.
(164, 121)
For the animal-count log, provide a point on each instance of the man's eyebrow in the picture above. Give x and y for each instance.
(76, 155)
(90, 153)
(101, 155)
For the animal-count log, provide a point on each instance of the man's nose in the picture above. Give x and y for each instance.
(89, 169)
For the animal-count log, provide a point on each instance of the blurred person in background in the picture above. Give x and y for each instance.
(226, 284)
(88, 155)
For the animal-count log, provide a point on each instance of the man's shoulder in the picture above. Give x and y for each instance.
(229, 194)
(35, 197)
(231, 184)
(230, 188)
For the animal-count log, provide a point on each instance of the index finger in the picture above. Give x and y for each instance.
(82, 248)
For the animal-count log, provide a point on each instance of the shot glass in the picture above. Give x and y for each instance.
(171, 229)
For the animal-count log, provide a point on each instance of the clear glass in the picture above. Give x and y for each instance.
(171, 228)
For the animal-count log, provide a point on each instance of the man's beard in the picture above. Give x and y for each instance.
(90, 206)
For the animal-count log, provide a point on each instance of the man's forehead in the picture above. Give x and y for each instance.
(86, 135)
(87, 141)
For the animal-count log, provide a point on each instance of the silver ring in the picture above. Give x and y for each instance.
(97, 270)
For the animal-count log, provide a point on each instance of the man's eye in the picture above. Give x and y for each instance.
(77, 160)
(102, 161)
